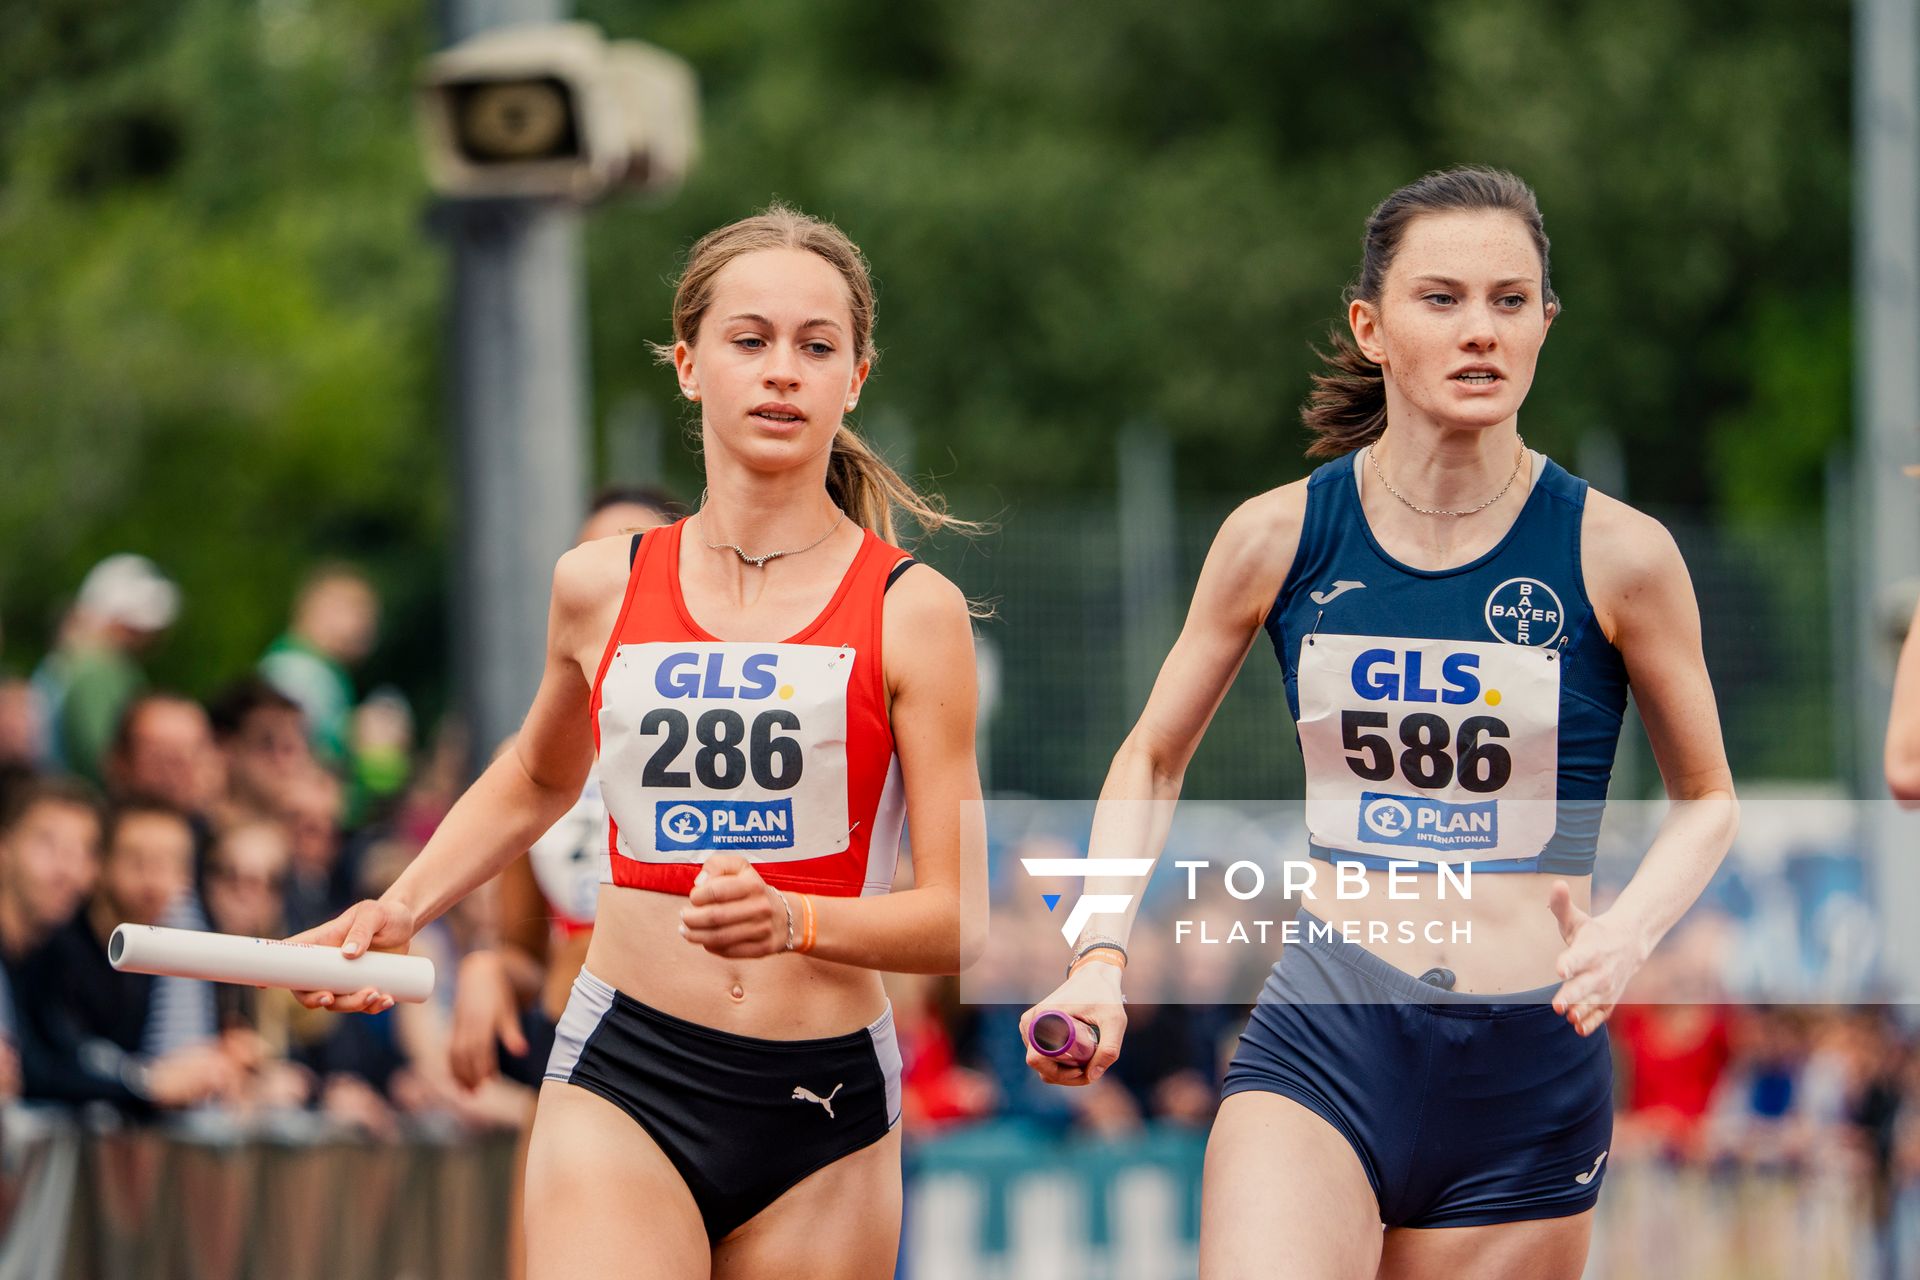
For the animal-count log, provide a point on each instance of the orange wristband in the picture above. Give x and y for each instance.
(1105, 955)
(806, 923)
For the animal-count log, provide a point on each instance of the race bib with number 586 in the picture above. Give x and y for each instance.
(1429, 750)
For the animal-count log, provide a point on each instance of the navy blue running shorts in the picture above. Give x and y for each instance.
(742, 1119)
(1465, 1110)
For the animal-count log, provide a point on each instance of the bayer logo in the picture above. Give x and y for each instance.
(1525, 611)
(684, 822)
(1387, 817)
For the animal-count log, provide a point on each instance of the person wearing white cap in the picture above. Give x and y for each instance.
(124, 603)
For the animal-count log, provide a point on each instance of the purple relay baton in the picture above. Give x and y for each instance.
(1063, 1037)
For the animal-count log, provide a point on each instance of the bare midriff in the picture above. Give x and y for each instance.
(637, 948)
(1512, 938)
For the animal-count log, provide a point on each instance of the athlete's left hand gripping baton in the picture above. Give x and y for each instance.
(1063, 1037)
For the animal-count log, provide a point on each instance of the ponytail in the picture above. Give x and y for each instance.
(1347, 407)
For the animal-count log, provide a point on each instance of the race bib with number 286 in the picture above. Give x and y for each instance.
(726, 747)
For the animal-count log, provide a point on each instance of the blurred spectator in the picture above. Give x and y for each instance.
(320, 880)
(1903, 722)
(244, 894)
(21, 731)
(86, 682)
(382, 750)
(247, 872)
(1169, 1067)
(263, 741)
(1673, 1057)
(1876, 1101)
(49, 853)
(936, 1091)
(164, 751)
(1758, 1117)
(245, 881)
(336, 619)
(128, 1038)
(423, 1080)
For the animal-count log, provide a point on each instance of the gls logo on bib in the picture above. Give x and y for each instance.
(727, 746)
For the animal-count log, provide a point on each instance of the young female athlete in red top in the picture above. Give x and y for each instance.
(769, 691)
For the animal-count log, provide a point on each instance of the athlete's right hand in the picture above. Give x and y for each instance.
(1092, 994)
(485, 1015)
(376, 925)
(187, 1077)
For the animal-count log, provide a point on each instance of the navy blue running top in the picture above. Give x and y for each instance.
(1458, 716)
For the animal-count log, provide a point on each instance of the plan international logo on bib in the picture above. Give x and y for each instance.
(696, 825)
(1429, 824)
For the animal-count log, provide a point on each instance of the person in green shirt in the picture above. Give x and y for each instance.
(336, 619)
(125, 604)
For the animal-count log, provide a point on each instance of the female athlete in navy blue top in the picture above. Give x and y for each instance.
(1459, 620)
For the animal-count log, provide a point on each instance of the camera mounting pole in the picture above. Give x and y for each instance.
(524, 118)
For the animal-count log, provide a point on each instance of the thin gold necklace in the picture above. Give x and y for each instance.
(1373, 456)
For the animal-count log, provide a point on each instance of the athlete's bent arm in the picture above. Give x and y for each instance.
(1643, 599)
(1903, 725)
(521, 794)
(940, 924)
(1243, 574)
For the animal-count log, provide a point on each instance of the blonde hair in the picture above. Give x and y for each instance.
(859, 480)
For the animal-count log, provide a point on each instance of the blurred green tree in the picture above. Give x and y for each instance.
(219, 305)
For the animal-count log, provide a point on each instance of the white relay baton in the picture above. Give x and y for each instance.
(266, 962)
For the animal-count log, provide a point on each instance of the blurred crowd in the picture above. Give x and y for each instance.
(290, 793)
(1799, 1093)
(264, 810)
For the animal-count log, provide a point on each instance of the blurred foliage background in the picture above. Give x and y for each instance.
(220, 296)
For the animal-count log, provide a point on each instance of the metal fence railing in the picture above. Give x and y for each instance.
(1077, 631)
(285, 1200)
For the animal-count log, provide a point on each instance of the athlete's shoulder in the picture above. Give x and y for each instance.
(1630, 563)
(1625, 538)
(1265, 528)
(923, 595)
(587, 574)
(1252, 555)
(927, 631)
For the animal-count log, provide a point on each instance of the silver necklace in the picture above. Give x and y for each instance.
(1373, 456)
(760, 562)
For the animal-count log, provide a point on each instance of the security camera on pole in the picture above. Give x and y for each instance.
(525, 120)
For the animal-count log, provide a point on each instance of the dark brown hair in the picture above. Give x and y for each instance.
(240, 701)
(127, 811)
(30, 793)
(1347, 407)
(859, 480)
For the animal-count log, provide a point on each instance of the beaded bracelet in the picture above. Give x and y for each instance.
(1092, 951)
(789, 906)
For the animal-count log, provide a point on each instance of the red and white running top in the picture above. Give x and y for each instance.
(778, 751)
(570, 860)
